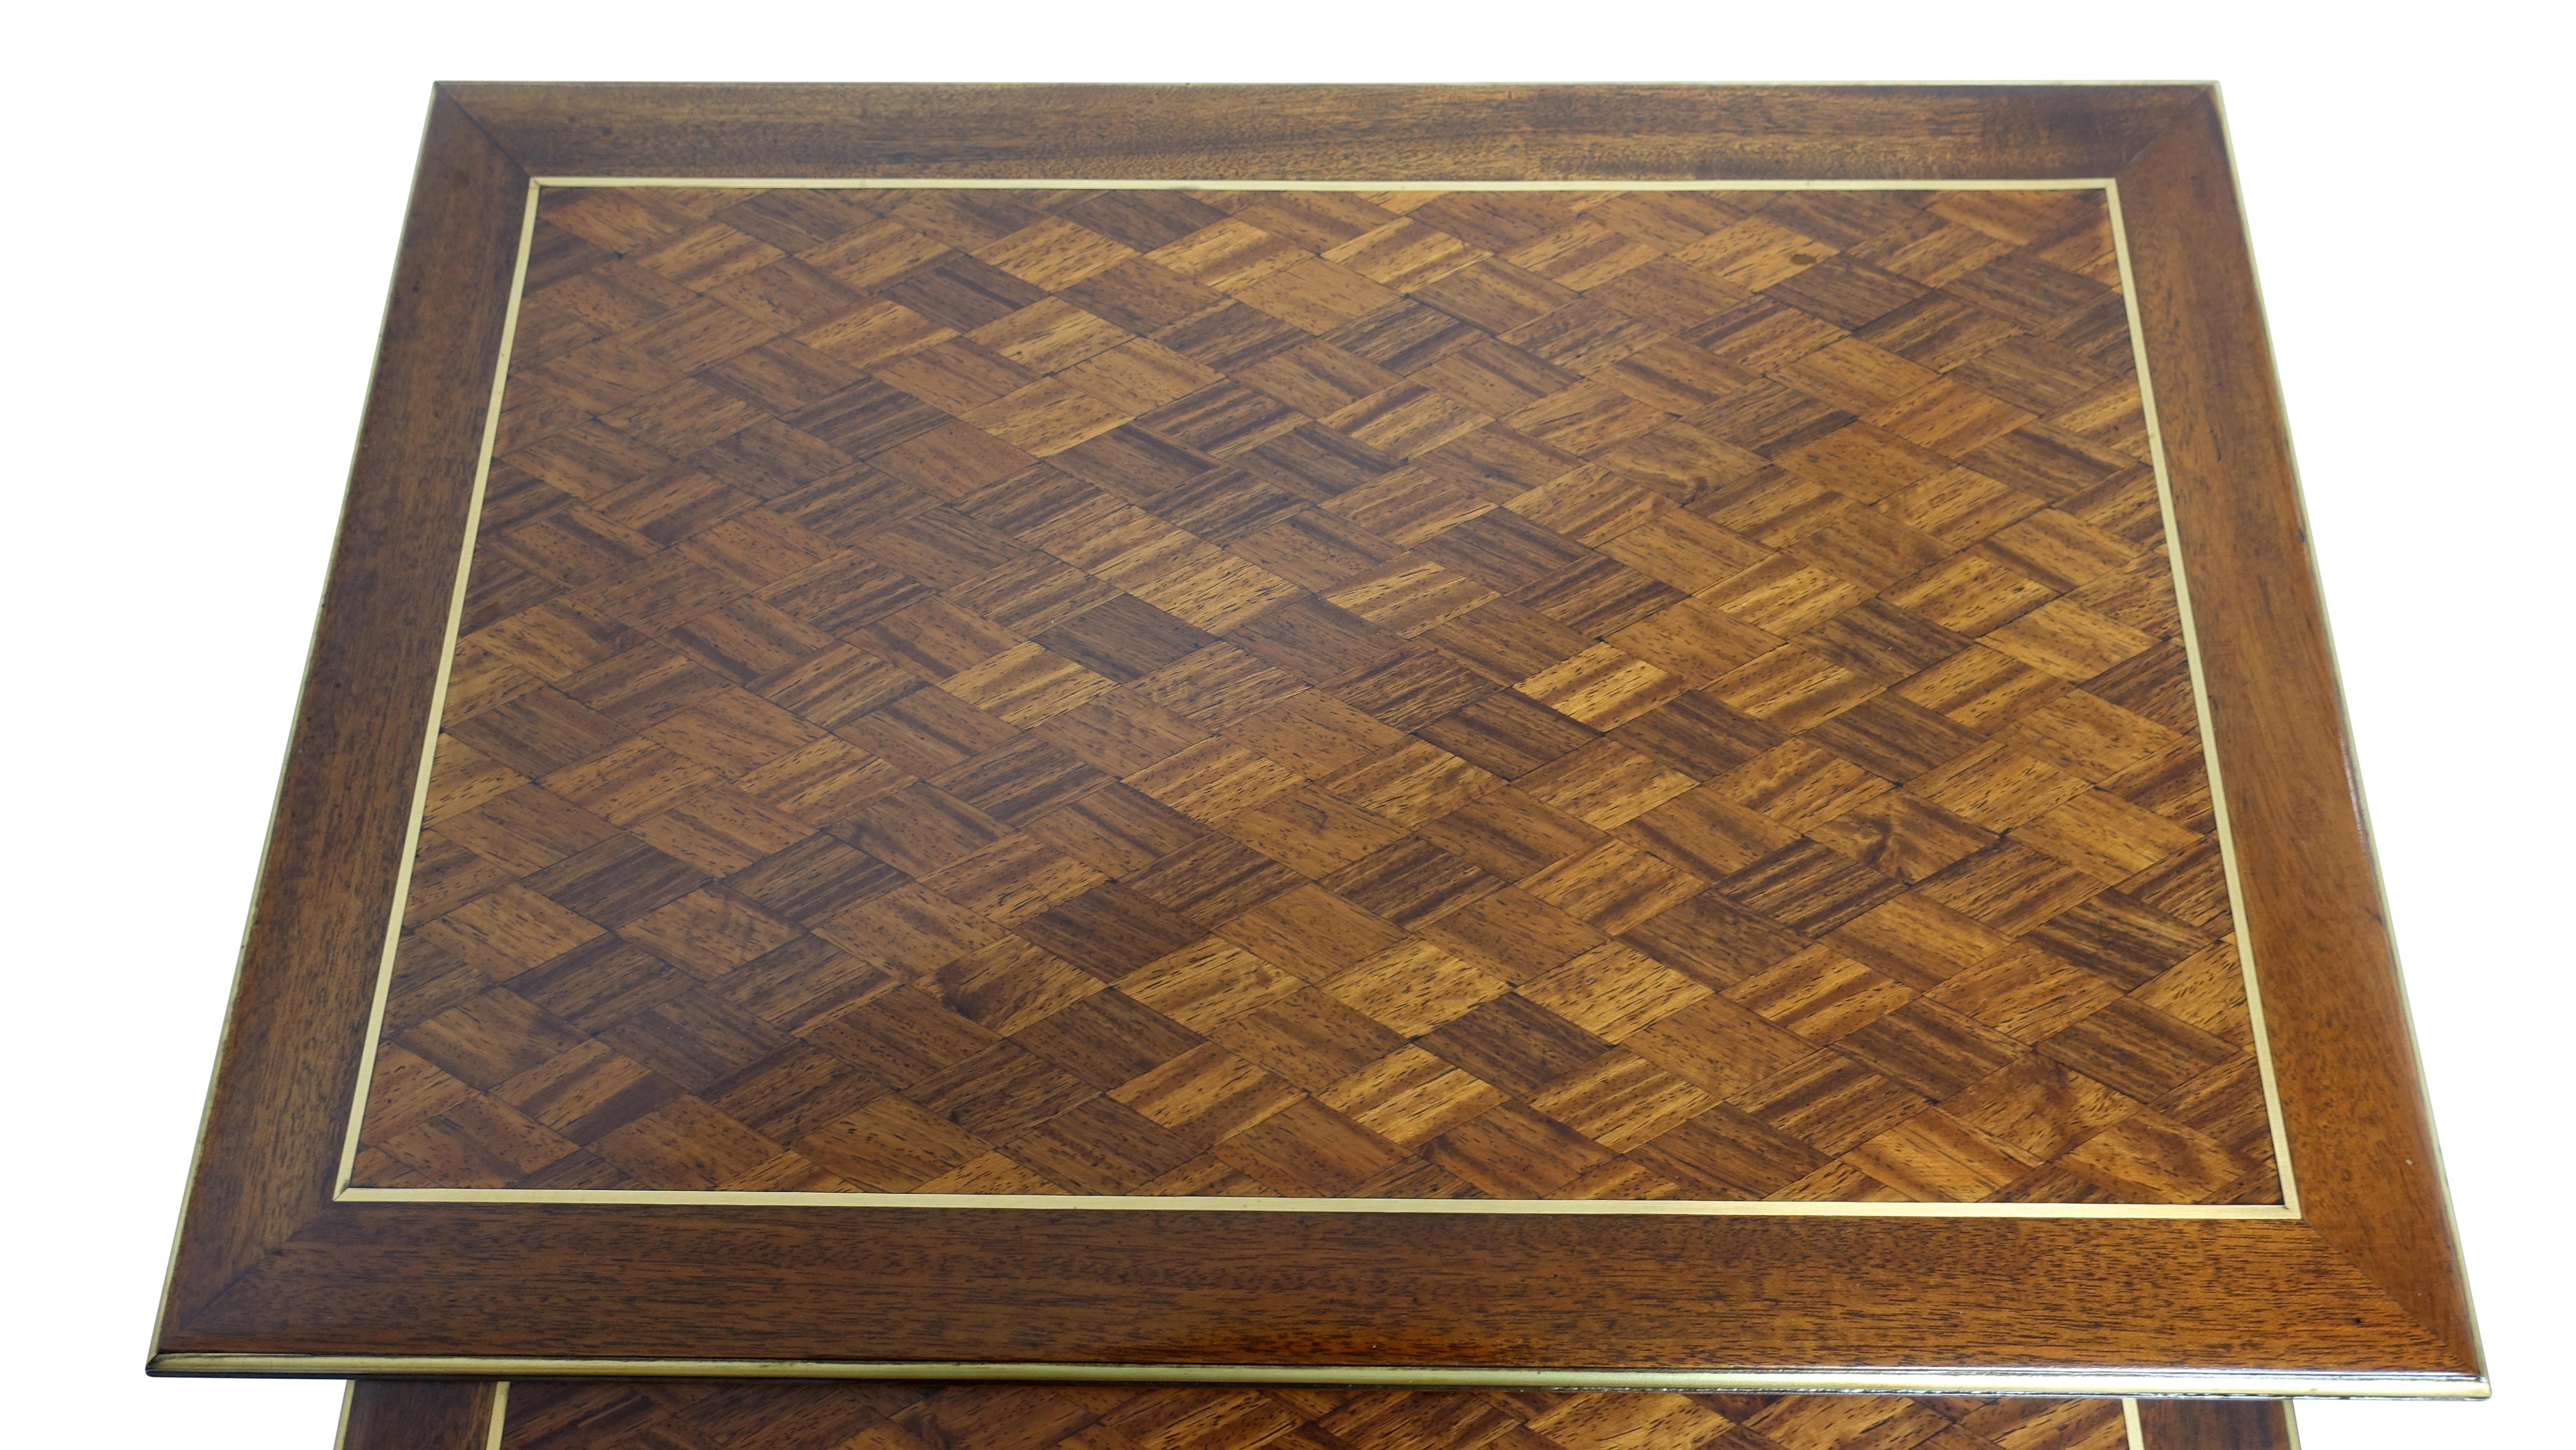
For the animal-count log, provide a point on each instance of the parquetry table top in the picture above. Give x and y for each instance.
(1610, 760)
(1498, 696)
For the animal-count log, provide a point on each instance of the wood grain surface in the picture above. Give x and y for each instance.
(2349, 1082)
(1609, 695)
(335, 845)
(421, 1414)
(274, 1271)
(2215, 1425)
(721, 1415)
(1326, 133)
(705, 1415)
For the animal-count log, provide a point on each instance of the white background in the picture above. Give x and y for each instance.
(201, 213)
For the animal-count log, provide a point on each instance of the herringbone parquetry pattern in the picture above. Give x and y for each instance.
(716, 1416)
(1435, 695)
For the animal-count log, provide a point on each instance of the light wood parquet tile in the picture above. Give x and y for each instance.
(715, 1415)
(1393, 695)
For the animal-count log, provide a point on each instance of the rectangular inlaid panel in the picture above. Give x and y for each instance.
(1668, 695)
(684, 1415)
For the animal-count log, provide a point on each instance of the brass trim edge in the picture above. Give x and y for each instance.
(501, 1414)
(2288, 1209)
(2071, 1384)
(2132, 1431)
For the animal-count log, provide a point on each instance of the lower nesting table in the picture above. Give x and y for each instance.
(598, 1415)
(1335, 767)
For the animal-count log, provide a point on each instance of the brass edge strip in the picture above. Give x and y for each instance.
(2200, 707)
(2290, 1421)
(1080, 1203)
(2071, 1384)
(2287, 1209)
(1131, 183)
(2135, 1432)
(438, 695)
(348, 1404)
(500, 1414)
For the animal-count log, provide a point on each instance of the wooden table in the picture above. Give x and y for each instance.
(1401, 754)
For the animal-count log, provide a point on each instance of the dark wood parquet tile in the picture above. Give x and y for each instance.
(1414, 695)
(717, 1415)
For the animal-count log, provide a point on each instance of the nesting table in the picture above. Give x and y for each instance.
(1333, 767)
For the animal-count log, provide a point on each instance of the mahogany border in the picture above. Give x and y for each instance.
(2364, 1290)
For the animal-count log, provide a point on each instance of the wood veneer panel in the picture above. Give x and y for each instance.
(2351, 1092)
(335, 839)
(1323, 132)
(574, 1416)
(1462, 695)
(1425, 1291)
(2214, 1425)
(396, 1414)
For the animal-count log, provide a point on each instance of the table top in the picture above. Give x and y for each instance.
(970, 725)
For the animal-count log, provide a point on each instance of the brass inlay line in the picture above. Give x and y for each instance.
(2200, 706)
(1699, 1207)
(2288, 1209)
(2065, 1384)
(438, 693)
(988, 183)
